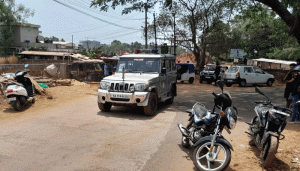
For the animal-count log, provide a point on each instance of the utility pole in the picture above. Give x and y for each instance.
(146, 29)
(155, 45)
(72, 44)
(174, 13)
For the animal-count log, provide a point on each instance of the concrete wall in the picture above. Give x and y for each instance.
(36, 69)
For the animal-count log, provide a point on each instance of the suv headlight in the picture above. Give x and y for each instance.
(141, 86)
(104, 85)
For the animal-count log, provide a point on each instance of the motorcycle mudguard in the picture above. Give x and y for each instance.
(218, 140)
(267, 135)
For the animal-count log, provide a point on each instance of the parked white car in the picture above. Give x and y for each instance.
(243, 75)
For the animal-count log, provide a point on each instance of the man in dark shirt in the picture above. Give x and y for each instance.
(217, 72)
(290, 83)
(296, 92)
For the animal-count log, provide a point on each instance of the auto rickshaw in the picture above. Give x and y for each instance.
(185, 72)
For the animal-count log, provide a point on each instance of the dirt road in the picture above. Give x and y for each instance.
(69, 133)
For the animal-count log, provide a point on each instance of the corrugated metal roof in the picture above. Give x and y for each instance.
(45, 53)
(274, 61)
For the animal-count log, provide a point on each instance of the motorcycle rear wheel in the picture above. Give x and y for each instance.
(204, 162)
(267, 155)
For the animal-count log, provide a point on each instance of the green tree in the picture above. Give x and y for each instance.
(292, 19)
(10, 14)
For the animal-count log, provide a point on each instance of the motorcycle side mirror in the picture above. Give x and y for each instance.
(220, 84)
(189, 111)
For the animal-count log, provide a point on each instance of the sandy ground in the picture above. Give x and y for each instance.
(62, 95)
(244, 157)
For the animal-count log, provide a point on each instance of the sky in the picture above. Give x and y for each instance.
(75, 18)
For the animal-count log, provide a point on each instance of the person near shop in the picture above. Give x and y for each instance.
(217, 72)
(110, 68)
(106, 73)
(290, 83)
(296, 92)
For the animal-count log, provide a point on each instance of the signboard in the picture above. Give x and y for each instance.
(237, 53)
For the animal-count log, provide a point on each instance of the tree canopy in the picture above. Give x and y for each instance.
(10, 13)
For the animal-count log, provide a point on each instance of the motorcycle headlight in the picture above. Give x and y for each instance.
(231, 123)
(231, 114)
(104, 85)
(141, 86)
(201, 73)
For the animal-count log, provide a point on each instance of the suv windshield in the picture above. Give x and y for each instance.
(133, 65)
(210, 68)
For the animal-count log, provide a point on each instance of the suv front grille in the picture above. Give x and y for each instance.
(120, 87)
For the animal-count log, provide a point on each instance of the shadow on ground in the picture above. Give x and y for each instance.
(136, 112)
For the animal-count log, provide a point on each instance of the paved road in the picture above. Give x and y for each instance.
(79, 137)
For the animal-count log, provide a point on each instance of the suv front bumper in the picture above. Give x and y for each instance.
(139, 98)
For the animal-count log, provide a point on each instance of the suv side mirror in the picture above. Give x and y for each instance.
(163, 70)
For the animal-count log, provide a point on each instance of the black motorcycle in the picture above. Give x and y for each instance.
(204, 132)
(266, 128)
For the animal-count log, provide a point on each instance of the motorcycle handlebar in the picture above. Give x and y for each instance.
(214, 94)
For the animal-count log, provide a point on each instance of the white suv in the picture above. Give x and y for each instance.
(141, 80)
(243, 75)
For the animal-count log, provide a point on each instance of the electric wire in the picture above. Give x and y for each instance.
(83, 5)
(93, 16)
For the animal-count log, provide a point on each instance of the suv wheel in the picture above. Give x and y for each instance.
(151, 108)
(104, 107)
(269, 83)
(201, 79)
(191, 80)
(242, 83)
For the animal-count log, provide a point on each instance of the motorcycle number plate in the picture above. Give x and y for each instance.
(12, 99)
(228, 131)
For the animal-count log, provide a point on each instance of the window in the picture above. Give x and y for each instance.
(248, 70)
(168, 65)
(258, 70)
(232, 70)
(173, 65)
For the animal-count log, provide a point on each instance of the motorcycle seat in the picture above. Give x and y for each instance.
(14, 83)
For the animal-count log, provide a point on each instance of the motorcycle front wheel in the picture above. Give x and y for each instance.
(219, 158)
(267, 154)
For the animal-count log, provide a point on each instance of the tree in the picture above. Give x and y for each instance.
(260, 32)
(292, 19)
(10, 14)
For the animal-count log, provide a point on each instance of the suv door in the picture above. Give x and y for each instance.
(248, 74)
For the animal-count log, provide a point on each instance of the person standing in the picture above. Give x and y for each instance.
(290, 83)
(106, 73)
(110, 68)
(217, 71)
(296, 92)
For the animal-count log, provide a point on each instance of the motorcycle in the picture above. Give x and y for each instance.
(204, 132)
(21, 92)
(266, 128)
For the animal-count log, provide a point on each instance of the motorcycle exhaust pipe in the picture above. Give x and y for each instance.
(183, 130)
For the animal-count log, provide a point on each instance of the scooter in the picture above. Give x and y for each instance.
(21, 92)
